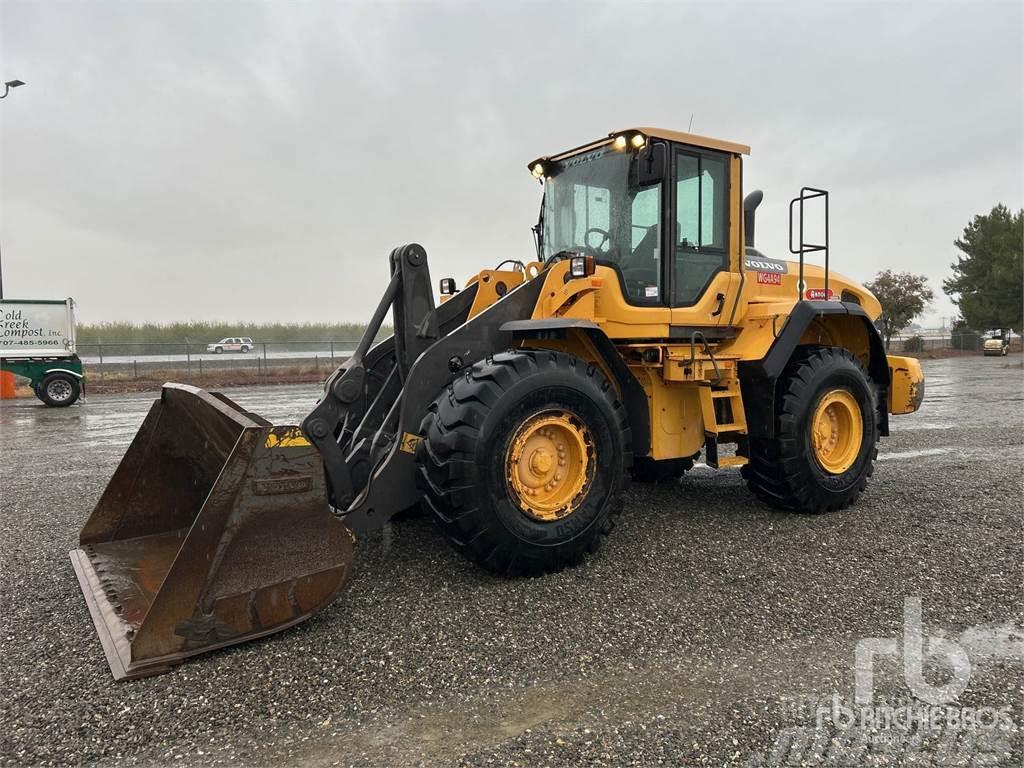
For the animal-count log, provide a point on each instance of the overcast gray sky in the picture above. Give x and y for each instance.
(259, 161)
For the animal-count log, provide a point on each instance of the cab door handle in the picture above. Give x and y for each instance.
(720, 298)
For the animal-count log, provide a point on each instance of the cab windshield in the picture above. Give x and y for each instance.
(590, 207)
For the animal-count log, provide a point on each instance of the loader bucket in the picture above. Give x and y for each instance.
(215, 529)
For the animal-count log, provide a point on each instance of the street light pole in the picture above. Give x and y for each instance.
(7, 88)
(11, 84)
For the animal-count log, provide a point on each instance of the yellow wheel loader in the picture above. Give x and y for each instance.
(647, 330)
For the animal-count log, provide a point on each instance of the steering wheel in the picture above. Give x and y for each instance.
(605, 237)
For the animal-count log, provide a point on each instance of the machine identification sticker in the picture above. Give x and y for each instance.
(290, 437)
(410, 442)
(819, 294)
(769, 278)
(651, 291)
(761, 264)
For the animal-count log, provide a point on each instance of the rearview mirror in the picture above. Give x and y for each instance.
(649, 164)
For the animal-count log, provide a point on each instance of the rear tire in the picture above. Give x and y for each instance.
(786, 472)
(473, 481)
(648, 470)
(59, 390)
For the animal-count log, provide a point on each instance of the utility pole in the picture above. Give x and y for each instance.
(7, 88)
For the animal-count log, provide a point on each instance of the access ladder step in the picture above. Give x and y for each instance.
(735, 418)
(731, 461)
(712, 459)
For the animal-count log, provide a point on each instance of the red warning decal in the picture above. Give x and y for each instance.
(819, 294)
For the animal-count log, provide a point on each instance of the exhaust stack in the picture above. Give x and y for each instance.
(750, 203)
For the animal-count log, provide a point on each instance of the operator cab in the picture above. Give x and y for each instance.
(656, 206)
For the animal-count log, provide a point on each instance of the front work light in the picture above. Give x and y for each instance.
(581, 266)
(537, 170)
(629, 140)
(448, 286)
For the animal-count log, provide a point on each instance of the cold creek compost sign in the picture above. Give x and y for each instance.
(36, 329)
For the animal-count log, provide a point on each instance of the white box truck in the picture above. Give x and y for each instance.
(37, 341)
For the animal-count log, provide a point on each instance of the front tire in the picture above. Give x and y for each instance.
(524, 461)
(59, 390)
(826, 435)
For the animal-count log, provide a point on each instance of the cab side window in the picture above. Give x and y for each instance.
(702, 226)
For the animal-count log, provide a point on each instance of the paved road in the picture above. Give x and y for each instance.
(706, 632)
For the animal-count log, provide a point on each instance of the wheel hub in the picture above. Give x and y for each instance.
(59, 390)
(549, 465)
(837, 431)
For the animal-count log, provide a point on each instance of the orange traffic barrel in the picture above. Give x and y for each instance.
(8, 386)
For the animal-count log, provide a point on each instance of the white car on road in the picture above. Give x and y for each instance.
(233, 344)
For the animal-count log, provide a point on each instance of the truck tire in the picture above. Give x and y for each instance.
(826, 435)
(648, 470)
(524, 460)
(59, 390)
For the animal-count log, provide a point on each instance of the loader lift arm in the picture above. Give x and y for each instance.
(367, 423)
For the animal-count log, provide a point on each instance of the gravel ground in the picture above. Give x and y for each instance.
(709, 630)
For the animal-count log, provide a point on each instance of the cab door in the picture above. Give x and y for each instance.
(703, 264)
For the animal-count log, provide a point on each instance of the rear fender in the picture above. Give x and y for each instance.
(813, 322)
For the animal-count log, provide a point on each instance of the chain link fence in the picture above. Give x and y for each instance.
(191, 360)
(968, 341)
(132, 360)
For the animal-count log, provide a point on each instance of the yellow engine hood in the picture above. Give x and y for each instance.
(771, 280)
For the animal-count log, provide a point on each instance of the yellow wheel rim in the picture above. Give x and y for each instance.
(837, 431)
(549, 465)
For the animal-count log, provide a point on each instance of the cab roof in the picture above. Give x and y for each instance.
(678, 137)
(691, 138)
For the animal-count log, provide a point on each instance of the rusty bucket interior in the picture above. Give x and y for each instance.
(215, 529)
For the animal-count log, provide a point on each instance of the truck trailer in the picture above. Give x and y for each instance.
(37, 341)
